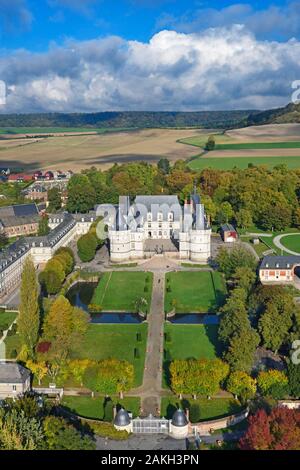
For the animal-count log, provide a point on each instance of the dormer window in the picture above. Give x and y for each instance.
(267, 265)
(159, 216)
(149, 217)
(171, 216)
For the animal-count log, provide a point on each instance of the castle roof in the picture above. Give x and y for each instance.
(179, 419)
(122, 418)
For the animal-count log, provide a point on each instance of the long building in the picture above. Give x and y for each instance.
(279, 269)
(65, 227)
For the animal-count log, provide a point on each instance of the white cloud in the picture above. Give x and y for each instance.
(217, 69)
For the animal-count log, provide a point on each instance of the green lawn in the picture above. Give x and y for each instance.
(121, 290)
(115, 341)
(12, 343)
(209, 409)
(93, 408)
(291, 242)
(189, 341)
(194, 291)
(6, 319)
(228, 163)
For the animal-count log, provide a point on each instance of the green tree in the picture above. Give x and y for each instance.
(241, 350)
(29, 316)
(238, 257)
(241, 384)
(54, 200)
(273, 383)
(81, 195)
(62, 436)
(44, 228)
(3, 240)
(274, 326)
(210, 144)
(164, 166)
(87, 246)
(293, 373)
(244, 218)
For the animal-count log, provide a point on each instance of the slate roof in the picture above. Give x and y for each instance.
(227, 228)
(279, 262)
(163, 204)
(179, 419)
(11, 372)
(122, 418)
(19, 210)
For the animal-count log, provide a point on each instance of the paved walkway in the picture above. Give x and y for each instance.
(151, 390)
(277, 242)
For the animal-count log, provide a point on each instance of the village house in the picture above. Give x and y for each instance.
(14, 380)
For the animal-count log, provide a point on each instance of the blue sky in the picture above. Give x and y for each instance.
(88, 55)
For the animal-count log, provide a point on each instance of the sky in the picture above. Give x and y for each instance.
(160, 55)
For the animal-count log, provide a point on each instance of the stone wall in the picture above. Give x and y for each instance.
(205, 427)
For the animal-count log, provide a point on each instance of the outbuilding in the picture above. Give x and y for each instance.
(14, 380)
(228, 233)
(279, 269)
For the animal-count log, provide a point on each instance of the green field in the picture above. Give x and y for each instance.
(201, 140)
(209, 409)
(200, 291)
(291, 242)
(258, 145)
(187, 342)
(115, 341)
(93, 408)
(6, 319)
(120, 290)
(228, 163)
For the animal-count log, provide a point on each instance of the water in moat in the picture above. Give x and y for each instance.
(81, 294)
(194, 319)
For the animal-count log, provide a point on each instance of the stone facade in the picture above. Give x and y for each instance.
(160, 218)
(14, 380)
(279, 269)
(65, 228)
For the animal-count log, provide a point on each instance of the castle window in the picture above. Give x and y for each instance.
(149, 217)
(159, 217)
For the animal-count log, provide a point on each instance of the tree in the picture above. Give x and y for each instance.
(87, 246)
(39, 369)
(225, 214)
(62, 436)
(29, 316)
(3, 240)
(241, 350)
(293, 373)
(18, 432)
(274, 327)
(109, 376)
(241, 384)
(64, 327)
(279, 430)
(238, 257)
(68, 255)
(273, 383)
(54, 200)
(210, 144)
(244, 218)
(53, 275)
(44, 228)
(244, 277)
(276, 216)
(164, 166)
(81, 195)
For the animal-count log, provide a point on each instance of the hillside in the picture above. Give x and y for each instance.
(288, 115)
(206, 119)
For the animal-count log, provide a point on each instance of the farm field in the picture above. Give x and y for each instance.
(242, 162)
(200, 291)
(77, 152)
(119, 291)
(115, 341)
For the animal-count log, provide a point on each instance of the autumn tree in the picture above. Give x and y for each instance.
(279, 430)
(241, 384)
(39, 369)
(273, 383)
(29, 316)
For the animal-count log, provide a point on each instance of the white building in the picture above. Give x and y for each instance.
(152, 221)
(65, 228)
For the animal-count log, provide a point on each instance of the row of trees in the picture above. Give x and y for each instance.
(88, 244)
(232, 195)
(56, 270)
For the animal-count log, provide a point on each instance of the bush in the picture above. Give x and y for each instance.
(139, 337)
(168, 337)
(103, 429)
(94, 308)
(108, 407)
(137, 354)
(13, 354)
(195, 413)
(169, 289)
(146, 289)
(87, 246)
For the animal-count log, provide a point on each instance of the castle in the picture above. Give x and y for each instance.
(152, 222)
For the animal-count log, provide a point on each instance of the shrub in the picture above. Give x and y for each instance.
(146, 289)
(137, 354)
(195, 413)
(169, 289)
(139, 337)
(87, 246)
(168, 337)
(103, 429)
(108, 407)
